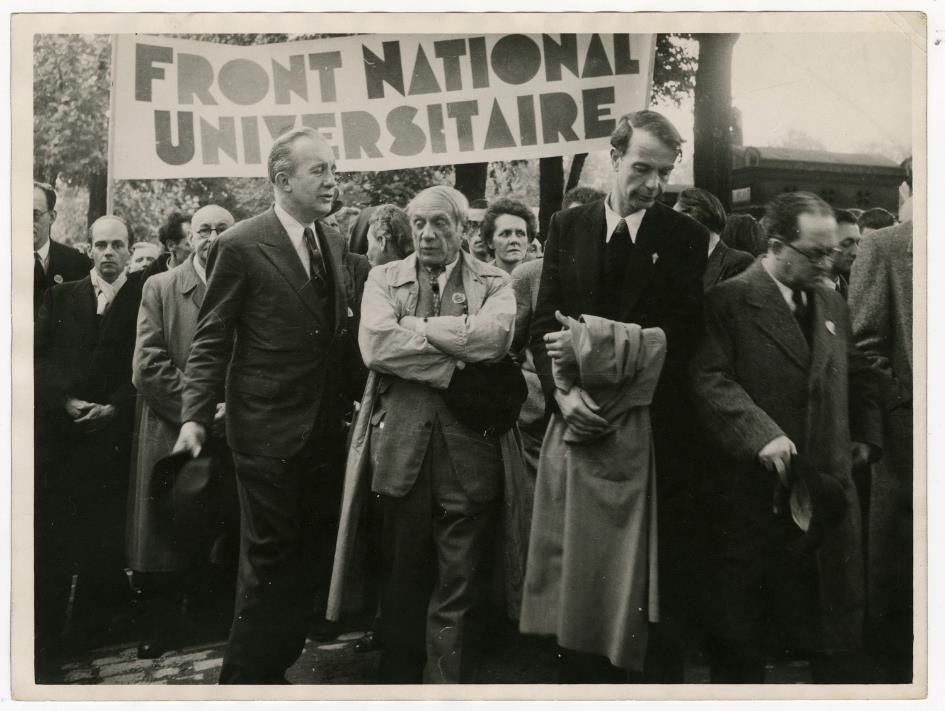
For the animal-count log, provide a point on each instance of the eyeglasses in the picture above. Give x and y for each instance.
(205, 231)
(814, 257)
(39, 213)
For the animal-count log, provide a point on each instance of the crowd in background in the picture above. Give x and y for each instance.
(652, 430)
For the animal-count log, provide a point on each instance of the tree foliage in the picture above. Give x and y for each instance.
(674, 69)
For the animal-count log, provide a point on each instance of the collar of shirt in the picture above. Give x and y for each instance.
(200, 269)
(714, 240)
(633, 221)
(43, 253)
(786, 291)
(295, 230)
(444, 276)
(103, 288)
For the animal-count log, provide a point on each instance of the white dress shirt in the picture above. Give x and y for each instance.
(633, 221)
(43, 253)
(104, 292)
(296, 231)
(786, 291)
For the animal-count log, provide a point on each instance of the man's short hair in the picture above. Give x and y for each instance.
(392, 221)
(703, 207)
(780, 220)
(845, 217)
(172, 229)
(456, 203)
(49, 192)
(506, 206)
(117, 218)
(582, 195)
(280, 155)
(876, 218)
(906, 165)
(650, 121)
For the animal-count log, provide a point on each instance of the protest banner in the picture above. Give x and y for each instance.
(185, 109)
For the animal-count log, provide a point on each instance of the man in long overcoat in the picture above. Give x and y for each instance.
(170, 305)
(776, 377)
(84, 338)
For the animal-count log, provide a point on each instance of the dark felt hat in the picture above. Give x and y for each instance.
(189, 489)
(487, 397)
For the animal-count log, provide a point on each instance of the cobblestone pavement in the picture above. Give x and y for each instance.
(515, 659)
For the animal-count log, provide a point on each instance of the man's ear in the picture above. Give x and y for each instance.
(52, 216)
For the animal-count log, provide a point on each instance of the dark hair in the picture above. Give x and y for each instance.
(582, 195)
(742, 231)
(117, 218)
(703, 207)
(394, 223)
(506, 206)
(650, 121)
(780, 220)
(49, 192)
(171, 230)
(876, 218)
(906, 165)
(845, 217)
(280, 155)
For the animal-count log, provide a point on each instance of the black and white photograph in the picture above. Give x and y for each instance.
(470, 355)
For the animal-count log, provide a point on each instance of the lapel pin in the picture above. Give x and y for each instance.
(350, 313)
(459, 298)
(656, 257)
(57, 278)
(832, 328)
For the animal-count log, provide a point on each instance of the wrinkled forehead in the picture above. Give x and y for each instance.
(211, 215)
(437, 200)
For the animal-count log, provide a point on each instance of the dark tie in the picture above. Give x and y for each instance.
(39, 273)
(616, 254)
(316, 267)
(802, 313)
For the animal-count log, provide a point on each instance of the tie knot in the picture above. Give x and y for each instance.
(797, 296)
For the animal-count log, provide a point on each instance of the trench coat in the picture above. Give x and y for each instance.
(754, 378)
(591, 577)
(167, 319)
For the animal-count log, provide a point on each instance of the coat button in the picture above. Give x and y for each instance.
(344, 332)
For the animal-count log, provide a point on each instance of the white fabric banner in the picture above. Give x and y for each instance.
(188, 109)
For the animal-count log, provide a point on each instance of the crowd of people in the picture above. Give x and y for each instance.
(653, 429)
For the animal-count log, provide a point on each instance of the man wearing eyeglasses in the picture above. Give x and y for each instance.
(170, 304)
(53, 263)
(789, 406)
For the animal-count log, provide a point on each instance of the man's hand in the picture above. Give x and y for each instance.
(219, 420)
(191, 438)
(776, 457)
(559, 344)
(580, 412)
(863, 454)
(95, 417)
(75, 407)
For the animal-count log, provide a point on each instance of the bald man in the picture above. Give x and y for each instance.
(170, 305)
(84, 338)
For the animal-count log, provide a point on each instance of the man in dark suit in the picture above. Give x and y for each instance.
(272, 329)
(724, 261)
(53, 263)
(631, 259)
(848, 234)
(84, 339)
(776, 377)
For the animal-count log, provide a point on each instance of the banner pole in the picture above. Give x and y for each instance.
(110, 169)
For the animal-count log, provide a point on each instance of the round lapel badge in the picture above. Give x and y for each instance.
(459, 298)
(57, 278)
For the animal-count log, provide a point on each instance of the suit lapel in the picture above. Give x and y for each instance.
(331, 253)
(642, 265)
(190, 283)
(713, 267)
(774, 317)
(823, 334)
(277, 248)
